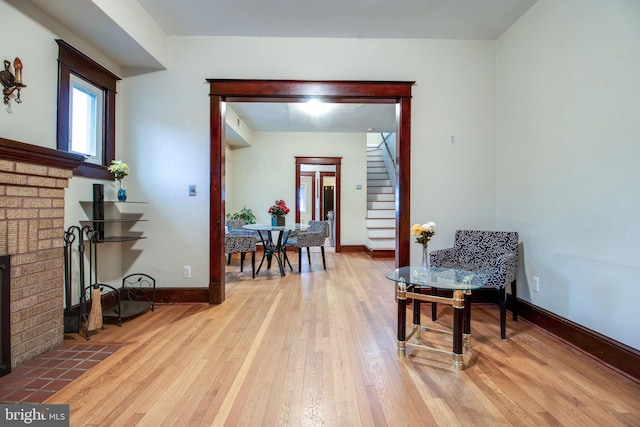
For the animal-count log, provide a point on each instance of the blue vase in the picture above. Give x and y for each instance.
(277, 221)
(122, 193)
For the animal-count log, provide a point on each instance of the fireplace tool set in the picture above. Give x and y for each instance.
(86, 315)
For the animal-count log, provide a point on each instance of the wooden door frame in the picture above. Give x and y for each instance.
(313, 193)
(321, 195)
(331, 161)
(222, 91)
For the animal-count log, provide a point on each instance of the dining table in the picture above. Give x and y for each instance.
(274, 242)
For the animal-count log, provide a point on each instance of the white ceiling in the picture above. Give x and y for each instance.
(290, 117)
(422, 19)
(398, 19)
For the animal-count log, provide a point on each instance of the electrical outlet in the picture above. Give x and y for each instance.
(187, 272)
(536, 283)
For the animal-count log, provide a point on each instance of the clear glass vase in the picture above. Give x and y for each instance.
(425, 259)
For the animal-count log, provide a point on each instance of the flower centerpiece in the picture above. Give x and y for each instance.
(277, 212)
(424, 233)
(119, 169)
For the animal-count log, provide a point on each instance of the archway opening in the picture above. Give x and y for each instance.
(222, 91)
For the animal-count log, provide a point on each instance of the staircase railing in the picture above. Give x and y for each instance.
(388, 148)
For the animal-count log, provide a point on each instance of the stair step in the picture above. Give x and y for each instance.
(377, 176)
(381, 197)
(376, 170)
(374, 157)
(378, 183)
(378, 190)
(381, 223)
(381, 213)
(375, 164)
(382, 205)
(382, 233)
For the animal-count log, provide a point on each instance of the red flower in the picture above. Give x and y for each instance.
(279, 208)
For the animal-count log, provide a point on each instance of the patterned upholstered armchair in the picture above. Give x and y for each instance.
(241, 243)
(315, 235)
(235, 226)
(492, 252)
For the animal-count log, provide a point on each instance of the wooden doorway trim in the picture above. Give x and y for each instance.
(311, 175)
(331, 161)
(377, 92)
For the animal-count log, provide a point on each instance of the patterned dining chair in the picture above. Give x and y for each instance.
(494, 253)
(314, 236)
(236, 226)
(241, 243)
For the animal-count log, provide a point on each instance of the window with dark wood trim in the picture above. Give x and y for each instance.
(72, 61)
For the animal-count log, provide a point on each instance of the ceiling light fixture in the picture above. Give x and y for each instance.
(315, 107)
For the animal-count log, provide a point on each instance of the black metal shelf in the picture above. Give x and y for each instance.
(98, 218)
(112, 202)
(119, 239)
(119, 220)
(137, 293)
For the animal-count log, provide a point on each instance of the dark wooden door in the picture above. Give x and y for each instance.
(328, 192)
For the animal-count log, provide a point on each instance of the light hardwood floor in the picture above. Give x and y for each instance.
(319, 348)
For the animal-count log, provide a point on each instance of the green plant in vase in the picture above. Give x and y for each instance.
(245, 214)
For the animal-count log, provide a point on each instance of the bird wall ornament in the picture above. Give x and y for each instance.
(12, 82)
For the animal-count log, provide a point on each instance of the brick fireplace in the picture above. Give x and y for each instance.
(32, 190)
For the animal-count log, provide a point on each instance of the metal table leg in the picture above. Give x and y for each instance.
(401, 296)
(458, 315)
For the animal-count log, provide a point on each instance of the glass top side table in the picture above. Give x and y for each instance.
(411, 280)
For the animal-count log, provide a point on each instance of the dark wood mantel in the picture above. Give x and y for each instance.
(34, 154)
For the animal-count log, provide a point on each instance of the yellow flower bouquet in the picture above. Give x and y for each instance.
(423, 232)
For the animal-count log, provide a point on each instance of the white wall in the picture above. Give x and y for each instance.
(267, 172)
(568, 97)
(231, 205)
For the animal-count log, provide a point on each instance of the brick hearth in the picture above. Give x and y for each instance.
(32, 190)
